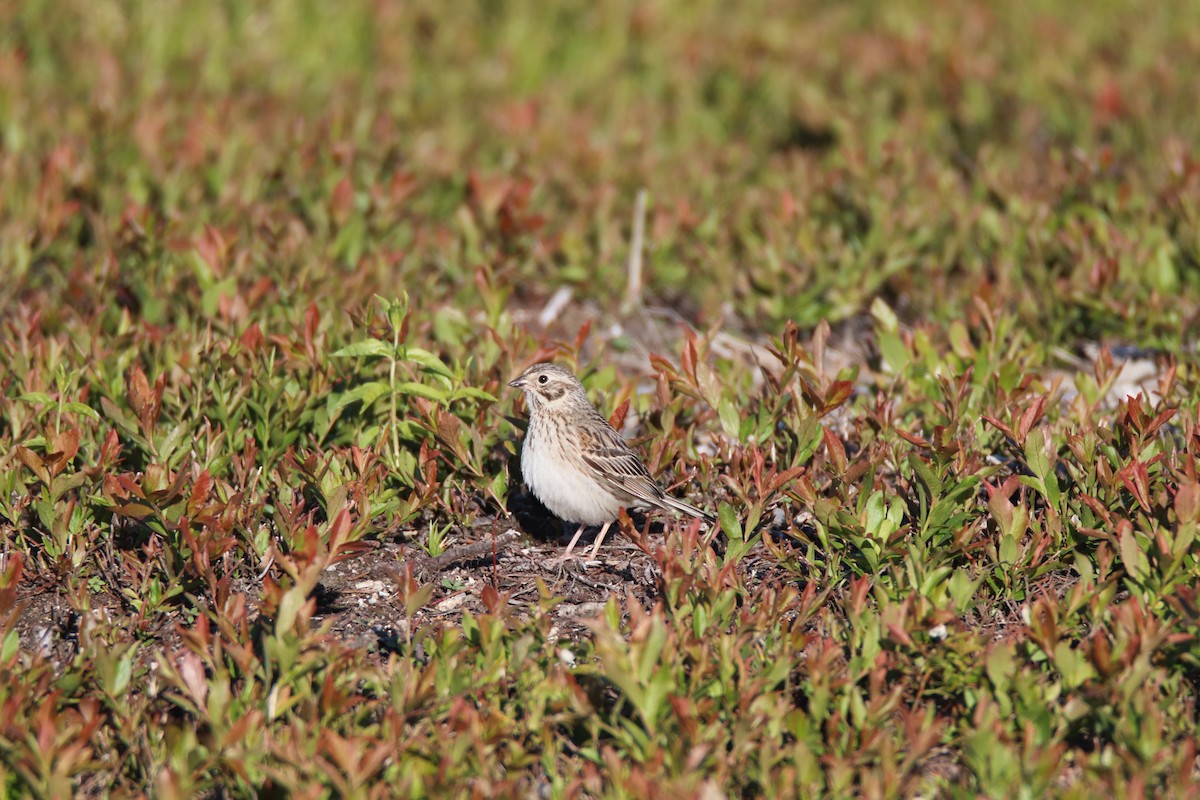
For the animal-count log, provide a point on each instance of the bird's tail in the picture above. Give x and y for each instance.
(716, 539)
(684, 508)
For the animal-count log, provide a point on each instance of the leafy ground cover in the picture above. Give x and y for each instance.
(916, 317)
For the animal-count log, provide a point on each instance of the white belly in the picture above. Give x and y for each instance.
(570, 494)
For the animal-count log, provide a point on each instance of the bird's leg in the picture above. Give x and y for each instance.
(599, 540)
(571, 546)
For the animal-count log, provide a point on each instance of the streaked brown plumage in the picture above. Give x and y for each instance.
(575, 463)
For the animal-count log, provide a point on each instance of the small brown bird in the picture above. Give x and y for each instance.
(575, 463)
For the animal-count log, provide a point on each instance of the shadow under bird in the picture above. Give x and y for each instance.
(577, 464)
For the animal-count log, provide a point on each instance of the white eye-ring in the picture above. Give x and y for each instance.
(542, 379)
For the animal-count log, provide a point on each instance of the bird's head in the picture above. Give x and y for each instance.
(547, 385)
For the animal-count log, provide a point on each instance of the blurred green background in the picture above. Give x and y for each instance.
(801, 158)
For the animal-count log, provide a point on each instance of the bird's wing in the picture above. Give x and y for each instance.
(616, 466)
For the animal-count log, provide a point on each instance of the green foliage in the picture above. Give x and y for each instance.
(268, 268)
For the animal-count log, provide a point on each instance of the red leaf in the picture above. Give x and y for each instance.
(191, 672)
(341, 204)
(837, 452)
(402, 186)
(213, 248)
(351, 550)
(339, 530)
(836, 394)
(1109, 102)
(1134, 412)
(899, 634)
(1098, 507)
(1032, 414)
(1000, 426)
(252, 338)
(110, 451)
(34, 462)
(200, 491)
(858, 594)
(63, 446)
(312, 320)
(490, 598)
(134, 510)
(913, 439)
(10, 579)
(787, 206)
(791, 474)
(1159, 421)
(618, 415)
(1187, 502)
(138, 391)
(129, 486)
(582, 333)
(687, 359)
(1136, 478)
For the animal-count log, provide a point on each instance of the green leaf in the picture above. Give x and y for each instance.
(420, 390)
(1001, 666)
(887, 327)
(12, 642)
(366, 393)
(934, 578)
(120, 418)
(1133, 557)
(962, 589)
(1008, 549)
(365, 347)
(729, 521)
(428, 360)
(500, 485)
(474, 394)
(293, 599)
(926, 474)
(80, 408)
(36, 397)
(808, 437)
(123, 672)
(210, 298)
(873, 519)
(1072, 664)
(885, 319)
(730, 417)
(894, 353)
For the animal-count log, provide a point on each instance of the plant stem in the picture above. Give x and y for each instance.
(392, 383)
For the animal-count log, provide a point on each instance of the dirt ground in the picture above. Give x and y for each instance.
(358, 598)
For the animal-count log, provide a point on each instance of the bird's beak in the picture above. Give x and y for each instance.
(518, 383)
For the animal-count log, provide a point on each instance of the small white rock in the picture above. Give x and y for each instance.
(452, 602)
(580, 609)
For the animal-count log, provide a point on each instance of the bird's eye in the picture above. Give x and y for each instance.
(542, 379)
